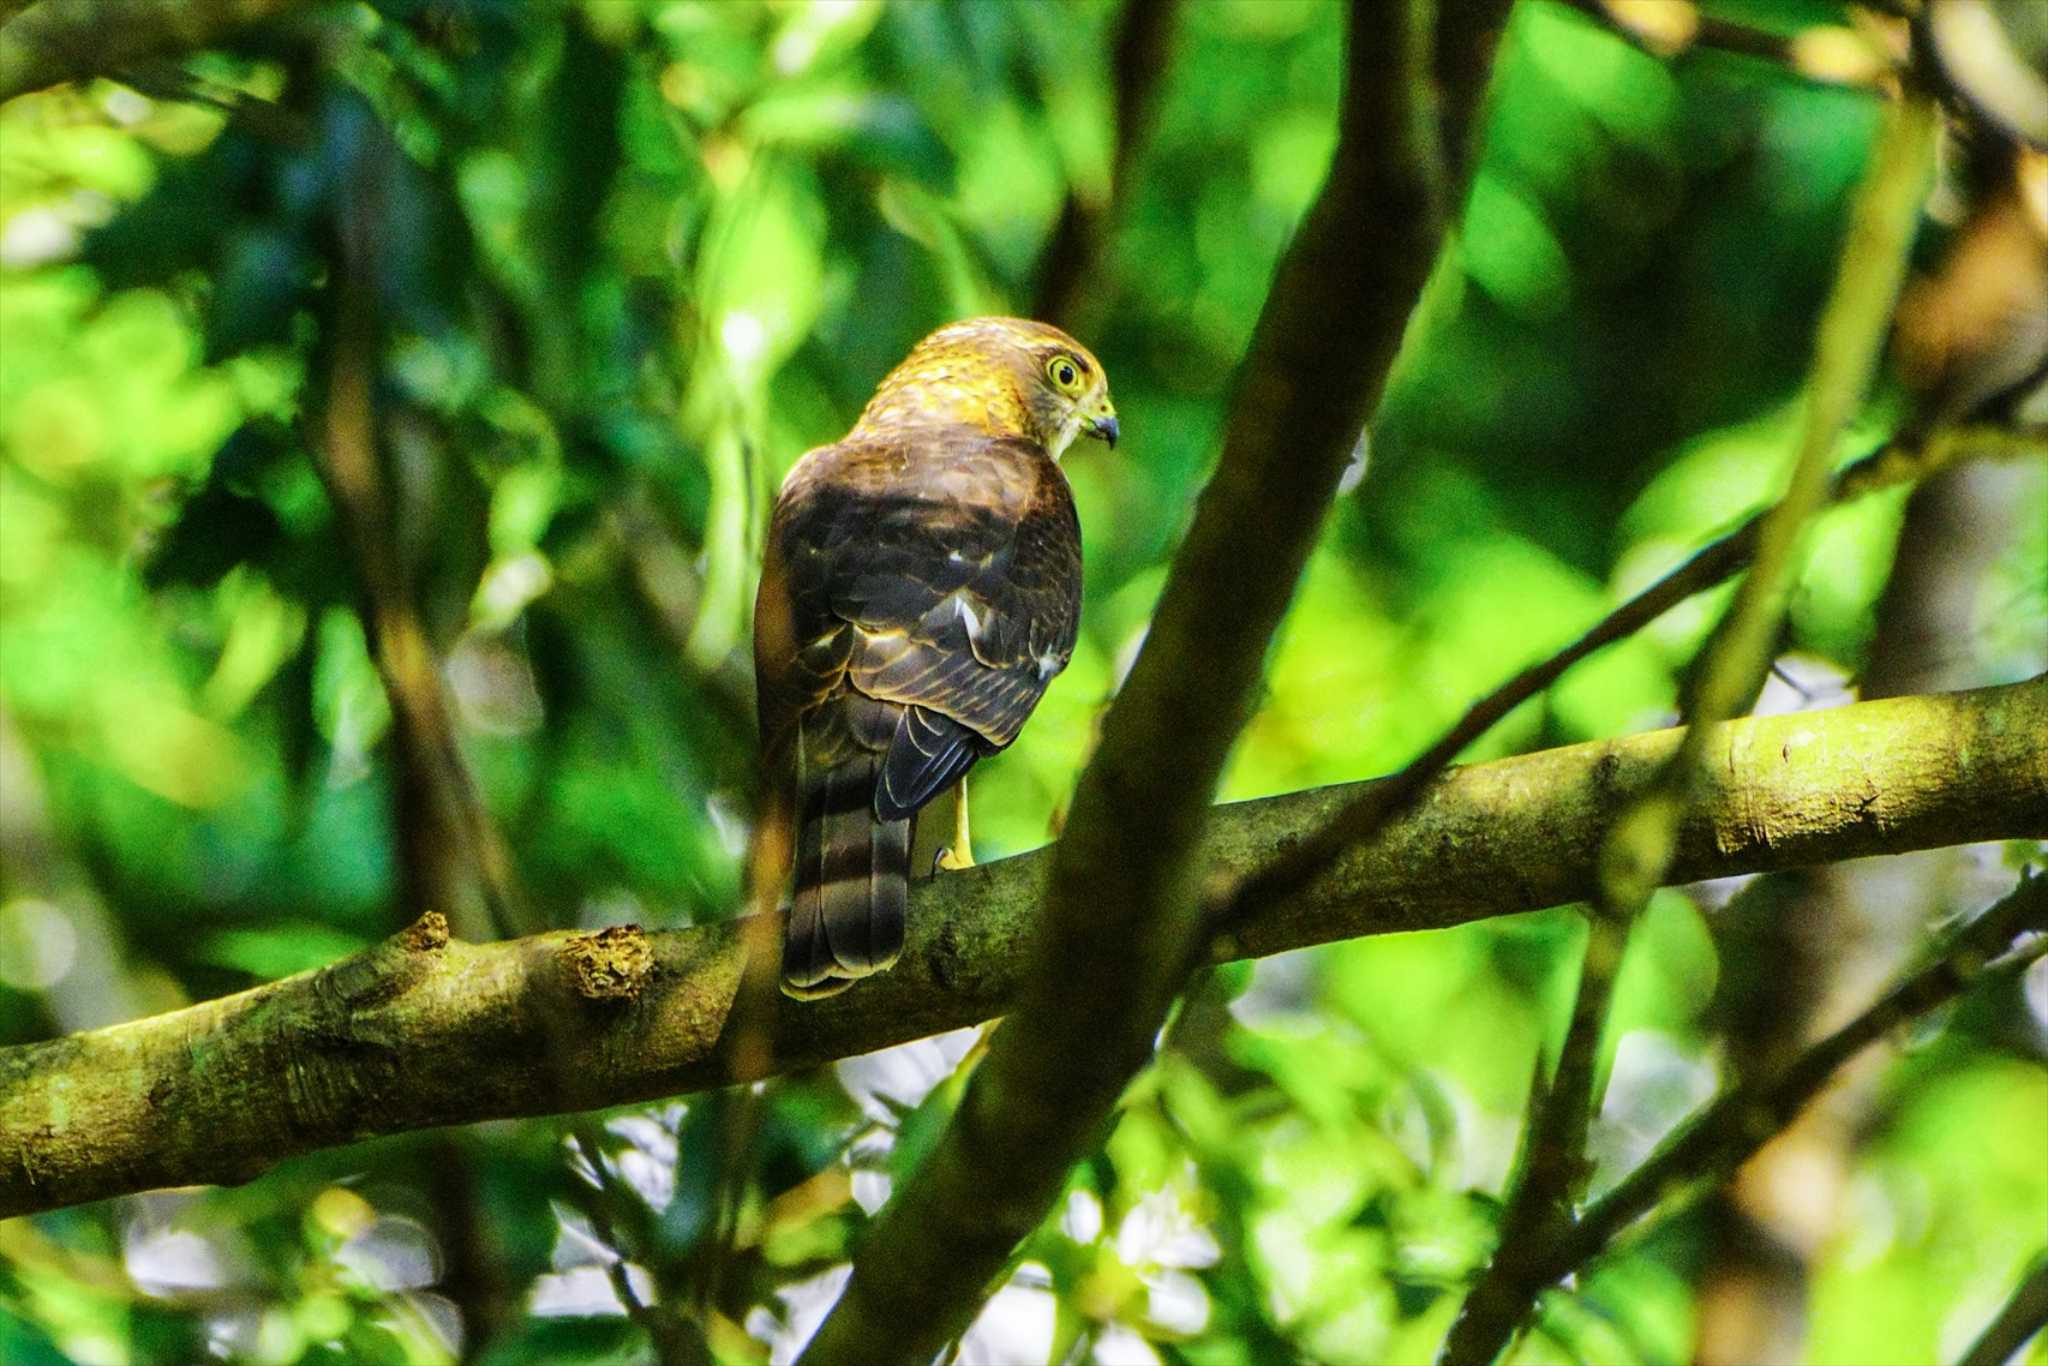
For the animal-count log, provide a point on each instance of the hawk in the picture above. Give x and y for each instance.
(921, 586)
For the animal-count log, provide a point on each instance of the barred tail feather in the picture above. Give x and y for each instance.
(852, 883)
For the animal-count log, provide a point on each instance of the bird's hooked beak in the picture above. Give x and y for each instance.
(1104, 427)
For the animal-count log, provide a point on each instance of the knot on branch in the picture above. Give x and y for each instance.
(386, 969)
(611, 965)
(426, 935)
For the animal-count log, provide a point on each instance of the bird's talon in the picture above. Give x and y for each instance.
(951, 861)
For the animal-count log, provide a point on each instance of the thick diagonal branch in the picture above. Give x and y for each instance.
(1121, 905)
(423, 1030)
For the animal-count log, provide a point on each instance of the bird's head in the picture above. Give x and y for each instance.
(1006, 376)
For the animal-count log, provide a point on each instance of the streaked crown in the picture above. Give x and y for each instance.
(1003, 376)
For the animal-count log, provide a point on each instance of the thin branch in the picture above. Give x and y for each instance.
(1070, 267)
(1711, 565)
(1121, 908)
(1851, 338)
(422, 1030)
(1638, 850)
(1707, 1151)
(1753, 1260)
(1707, 32)
(2024, 1315)
(446, 839)
(474, 1275)
(55, 41)
(343, 419)
(1553, 1166)
(676, 1341)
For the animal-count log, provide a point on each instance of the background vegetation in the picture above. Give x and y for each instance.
(629, 262)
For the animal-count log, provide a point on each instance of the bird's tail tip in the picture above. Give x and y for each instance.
(846, 917)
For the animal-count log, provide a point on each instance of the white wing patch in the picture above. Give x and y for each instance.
(968, 618)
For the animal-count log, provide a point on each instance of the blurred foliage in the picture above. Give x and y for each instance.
(630, 261)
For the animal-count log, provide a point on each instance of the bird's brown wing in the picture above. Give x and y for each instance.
(946, 582)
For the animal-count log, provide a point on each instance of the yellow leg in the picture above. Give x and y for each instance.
(960, 854)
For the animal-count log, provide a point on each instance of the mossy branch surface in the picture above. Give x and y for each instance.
(424, 1030)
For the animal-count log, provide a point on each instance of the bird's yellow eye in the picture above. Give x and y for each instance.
(1063, 372)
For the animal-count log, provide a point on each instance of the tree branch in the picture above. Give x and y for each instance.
(1121, 904)
(55, 41)
(1712, 564)
(1467, 35)
(1672, 31)
(1070, 264)
(1830, 941)
(450, 854)
(422, 1030)
(1706, 1151)
(1639, 846)
(675, 1339)
(2024, 1315)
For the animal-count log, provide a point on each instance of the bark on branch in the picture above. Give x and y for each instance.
(54, 41)
(423, 1030)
